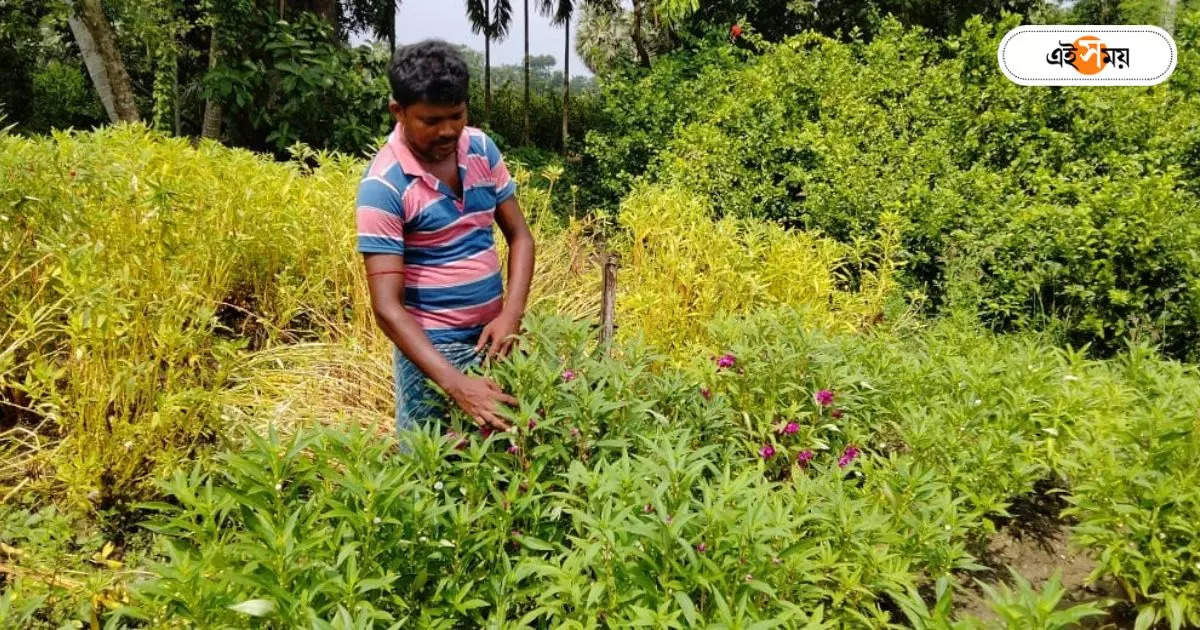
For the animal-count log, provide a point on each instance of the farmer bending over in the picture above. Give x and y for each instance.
(425, 211)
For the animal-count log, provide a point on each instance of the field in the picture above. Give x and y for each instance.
(792, 429)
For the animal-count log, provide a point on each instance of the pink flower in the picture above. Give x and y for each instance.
(836, 413)
(648, 508)
(575, 432)
(568, 376)
(848, 456)
(702, 547)
(514, 449)
(791, 428)
(532, 424)
(704, 391)
(823, 397)
(767, 451)
(804, 457)
(726, 361)
(486, 430)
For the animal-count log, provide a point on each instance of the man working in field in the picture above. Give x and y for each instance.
(425, 210)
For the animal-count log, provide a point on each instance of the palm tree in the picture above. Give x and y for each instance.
(525, 140)
(492, 18)
(98, 45)
(560, 12)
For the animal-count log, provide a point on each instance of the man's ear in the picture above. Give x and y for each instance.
(397, 110)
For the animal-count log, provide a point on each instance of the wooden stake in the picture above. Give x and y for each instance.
(609, 301)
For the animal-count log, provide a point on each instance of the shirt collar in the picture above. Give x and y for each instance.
(409, 163)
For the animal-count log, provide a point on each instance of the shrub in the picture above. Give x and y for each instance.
(829, 137)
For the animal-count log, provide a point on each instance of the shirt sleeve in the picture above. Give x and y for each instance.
(506, 187)
(380, 217)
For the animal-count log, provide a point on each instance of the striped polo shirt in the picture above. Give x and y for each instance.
(452, 283)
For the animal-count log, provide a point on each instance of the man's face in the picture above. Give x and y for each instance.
(431, 131)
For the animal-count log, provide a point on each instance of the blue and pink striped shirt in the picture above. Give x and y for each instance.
(452, 284)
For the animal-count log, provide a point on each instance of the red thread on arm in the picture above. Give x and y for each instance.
(384, 273)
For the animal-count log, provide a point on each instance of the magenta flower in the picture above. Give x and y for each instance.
(514, 449)
(575, 432)
(726, 361)
(486, 430)
(702, 547)
(791, 428)
(568, 376)
(836, 413)
(823, 397)
(704, 391)
(848, 456)
(532, 424)
(767, 452)
(804, 457)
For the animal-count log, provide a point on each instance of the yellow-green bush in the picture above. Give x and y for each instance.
(135, 269)
(681, 268)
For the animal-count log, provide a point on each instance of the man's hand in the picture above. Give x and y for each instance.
(499, 335)
(480, 398)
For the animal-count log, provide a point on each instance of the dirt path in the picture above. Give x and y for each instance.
(1035, 543)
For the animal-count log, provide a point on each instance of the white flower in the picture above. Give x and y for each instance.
(976, 402)
(278, 487)
(437, 486)
(377, 520)
(128, 444)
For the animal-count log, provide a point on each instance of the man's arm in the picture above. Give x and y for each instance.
(520, 273)
(478, 397)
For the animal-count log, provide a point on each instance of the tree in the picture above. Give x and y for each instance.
(376, 16)
(560, 12)
(525, 138)
(98, 45)
(492, 18)
(605, 39)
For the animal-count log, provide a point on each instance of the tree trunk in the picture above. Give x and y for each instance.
(566, 80)
(95, 65)
(487, 74)
(526, 139)
(638, 42)
(178, 122)
(211, 127)
(391, 25)
(104, 45)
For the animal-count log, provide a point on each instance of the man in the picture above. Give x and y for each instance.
(425, 210)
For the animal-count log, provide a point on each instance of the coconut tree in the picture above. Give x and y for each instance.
(98, 45)
(492, 18)
(560, 13)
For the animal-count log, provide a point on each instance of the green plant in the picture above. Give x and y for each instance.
(1024, 607)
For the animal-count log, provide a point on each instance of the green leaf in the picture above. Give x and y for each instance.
(255, 607)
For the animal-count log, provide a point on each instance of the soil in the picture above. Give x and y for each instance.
(1034, 542)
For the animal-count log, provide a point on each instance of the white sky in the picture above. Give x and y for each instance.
(447, 19)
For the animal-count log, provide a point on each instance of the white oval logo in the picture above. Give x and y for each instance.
(1087, 55)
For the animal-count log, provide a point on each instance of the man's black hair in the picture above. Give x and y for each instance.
(431, 71)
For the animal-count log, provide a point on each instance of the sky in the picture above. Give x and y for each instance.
(447, 19)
